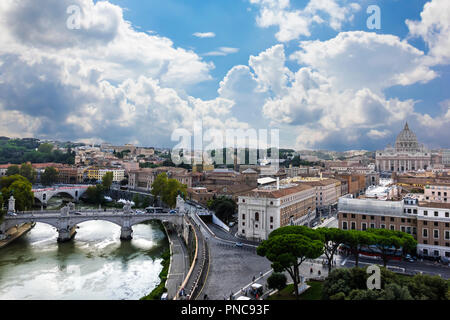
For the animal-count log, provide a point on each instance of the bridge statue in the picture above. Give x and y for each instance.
(180, 204)
(127, 208)
(12, 205)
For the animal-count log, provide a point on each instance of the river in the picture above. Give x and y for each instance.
(95, 265)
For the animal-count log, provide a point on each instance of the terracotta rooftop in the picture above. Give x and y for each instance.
(439, 205)
(275, 194)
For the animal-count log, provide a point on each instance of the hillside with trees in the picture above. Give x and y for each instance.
(17, 151)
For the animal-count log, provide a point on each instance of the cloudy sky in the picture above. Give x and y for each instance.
(133, 71)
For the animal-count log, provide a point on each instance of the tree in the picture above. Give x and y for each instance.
(159, 185)
(107, 180)
(49, 177)
(27, 171)
(354, 239)
(174, 187)
(223, 207)
(45, 148)
(20, 188)
(167, 189)
(333, 238)
(287, 249)
(12, 170)
(95, 194)
(277, 281)
(387, 240)
(2, 212)
(136, 201)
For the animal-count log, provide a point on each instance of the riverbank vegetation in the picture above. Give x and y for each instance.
(161, 288)
(20, 188)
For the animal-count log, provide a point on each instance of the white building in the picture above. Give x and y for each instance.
(407, 155)
(267, 208)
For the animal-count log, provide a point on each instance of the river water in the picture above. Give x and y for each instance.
(95, 265)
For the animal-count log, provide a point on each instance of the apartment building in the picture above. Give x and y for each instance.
(437, 193)
(427, 222)
(265, 209)
(98, 174)
(143, 179)
(71, 175)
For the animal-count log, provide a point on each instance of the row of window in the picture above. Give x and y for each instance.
(436, 213)
(406, 229)
(383, 218)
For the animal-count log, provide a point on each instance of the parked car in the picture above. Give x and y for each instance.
(173, 212)
(231, 224)
(238, 244)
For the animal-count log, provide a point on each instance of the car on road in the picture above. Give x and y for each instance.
(173, 211)
(231, 224)
(238, 244)
(78, 213)
(140, 212)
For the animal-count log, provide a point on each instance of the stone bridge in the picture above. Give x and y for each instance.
(43, 195)
(67, 219)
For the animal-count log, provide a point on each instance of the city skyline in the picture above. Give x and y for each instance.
(133, 72)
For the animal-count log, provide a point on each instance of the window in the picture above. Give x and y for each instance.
(408, 230)
(243, 217)
(425, 213)
(364, 226)
(243, 224)
(436, 224)
(425, 233)
(436, 214)
(409, 210)
(271, 226)
(414, 230)
(403, 219)
(392, 219)
(425, 252)
(372, 225)
(354, 216)
(392, 227)
(447, 235)
(256, 216)
(256, 226)
(403, 228)
(415, 211)
(447, 225)
(372, 217)
(383, 226)
(383, 218)
(243, 200)
(353, 225)
(364, 216)
(344, 215)
(446, 215)
(344, 225)
(425, 223)
(436, 233)
(425, 241)
(271, 219)
(436, 253)
(243, 231)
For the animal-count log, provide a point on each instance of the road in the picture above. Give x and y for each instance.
(230, 267)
